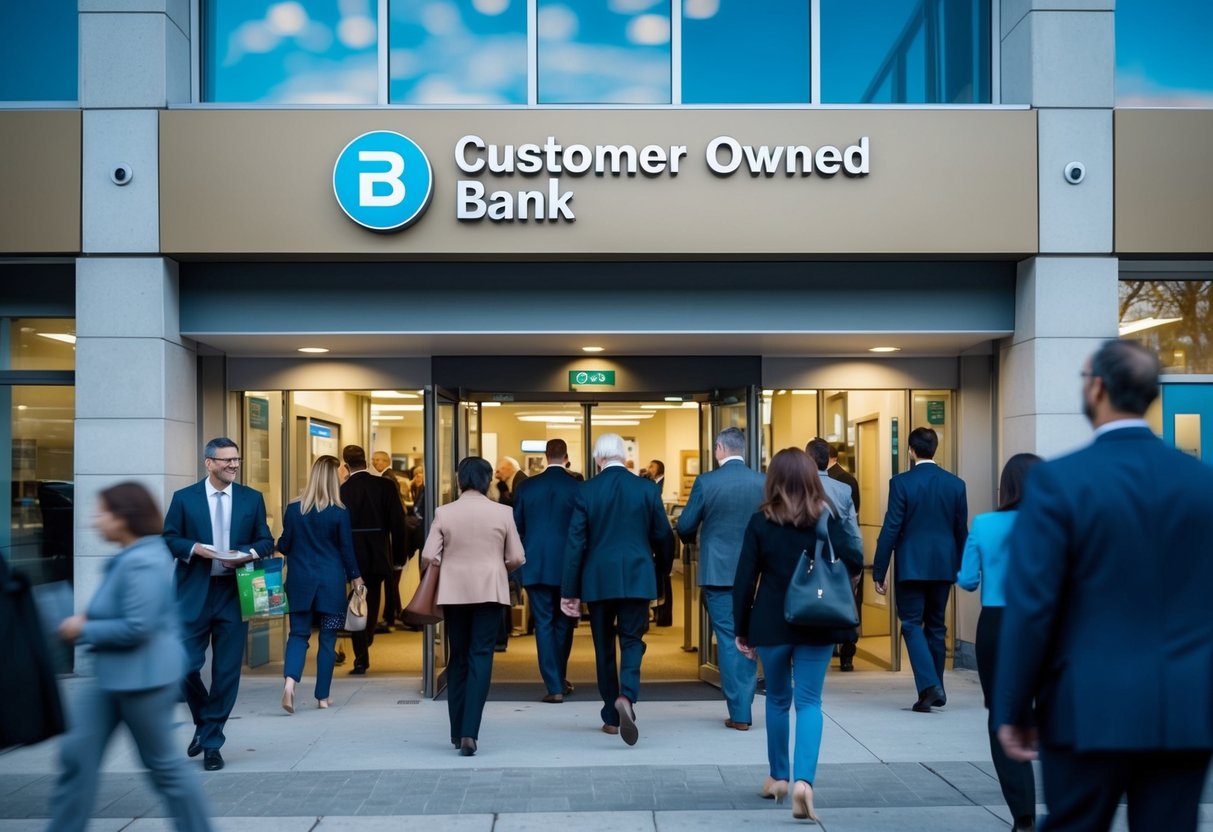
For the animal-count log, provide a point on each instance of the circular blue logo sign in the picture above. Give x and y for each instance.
(383, 180)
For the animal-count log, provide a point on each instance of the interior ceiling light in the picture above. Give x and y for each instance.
(884, 349)
(804, 392)
(592, 349)
(62, 337)
(392, 394)
(616, 422)
(674, 399)
(377, 419)
(1130, 327)
(490, 404)
(376, 409)
(314, 350)
(551, 419)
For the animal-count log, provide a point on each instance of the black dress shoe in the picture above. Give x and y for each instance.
(568, 687)
(941, 700)
(195, 749)
(358, 670)
(927, 698)
(846, 665)
(212, 760)
(467, 747)
(382, 629)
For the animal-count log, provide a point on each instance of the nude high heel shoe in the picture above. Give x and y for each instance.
(288, 696)
(802, 801)
(324, 703)
(772, 788)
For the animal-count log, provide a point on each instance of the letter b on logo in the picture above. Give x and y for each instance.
(383, 181)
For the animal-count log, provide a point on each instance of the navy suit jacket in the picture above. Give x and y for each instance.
(377, 520)
(617, 529)
(320, 558)
(189, 522)
(543, 506)
(925, 525)
(1107, 623)
(723, 500)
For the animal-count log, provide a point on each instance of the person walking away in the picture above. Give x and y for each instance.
(208, 524)
(986, 556)
(132, 626)
(835, 471)
(721, 504)
(1107, 642)
(794, 658)
(618, 528)
(926, 525)
(543, 505)
(319, 547)
(476, 543)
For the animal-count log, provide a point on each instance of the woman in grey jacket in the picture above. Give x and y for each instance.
(132, 628)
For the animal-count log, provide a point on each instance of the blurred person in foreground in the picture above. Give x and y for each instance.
(794, 658)
(319, 546)
(1106, 652)
(986, 557)
(476, 543)
(131, 625)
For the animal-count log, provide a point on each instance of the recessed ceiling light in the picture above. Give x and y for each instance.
(392, 394)
(59, 336)
(884, 349)
(591, 349)
(314, 350)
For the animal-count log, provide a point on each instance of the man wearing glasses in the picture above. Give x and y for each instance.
(212, 527)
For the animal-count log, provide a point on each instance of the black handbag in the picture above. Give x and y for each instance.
(819, 594)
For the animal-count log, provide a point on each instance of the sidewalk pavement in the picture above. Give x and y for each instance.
(382, 752)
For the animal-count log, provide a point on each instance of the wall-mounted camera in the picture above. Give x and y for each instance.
(1075, 172)
(122, 174)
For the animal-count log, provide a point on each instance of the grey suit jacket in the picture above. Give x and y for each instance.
(723, 502)
(839, 493)
(132, 623)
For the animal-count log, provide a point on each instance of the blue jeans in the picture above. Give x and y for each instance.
(738, 675)
(794, 671)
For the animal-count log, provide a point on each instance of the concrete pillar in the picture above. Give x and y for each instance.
(1059, 57)
(135, 377)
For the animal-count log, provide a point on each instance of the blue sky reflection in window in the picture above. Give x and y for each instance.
(604, 52)
(320, 52)
(458, 52)
(745, 51)
(1164, 53)
(38, 60)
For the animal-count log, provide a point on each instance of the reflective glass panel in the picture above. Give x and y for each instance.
(42, 344)
(314, 52)
(37, 537)
(39, 58)
(458, 52)
(1163, 55)
(905, 52)
(1172, 317)
(745, 51)
(604, 52)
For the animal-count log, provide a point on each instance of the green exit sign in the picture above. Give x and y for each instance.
(591, 378)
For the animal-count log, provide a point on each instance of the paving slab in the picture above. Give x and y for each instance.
(433, 823)
(563, 821)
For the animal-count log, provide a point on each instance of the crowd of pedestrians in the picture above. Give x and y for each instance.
(1092, 652)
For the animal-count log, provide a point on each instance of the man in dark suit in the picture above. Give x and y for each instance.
(509, 476)
(846, 650)
(212, 518)
(543, 506)
(722, 502)
(380, 537)
(618, 526)
(1106, 624)
(926, 525)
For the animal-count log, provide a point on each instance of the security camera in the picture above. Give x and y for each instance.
(1075, 172)
(121, 174)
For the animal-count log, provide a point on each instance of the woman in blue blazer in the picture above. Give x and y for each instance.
(319, 547)
(985, 563)
(132, 628)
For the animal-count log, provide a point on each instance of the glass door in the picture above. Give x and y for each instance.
(737, 408)
(1187, 418)
(442, 449)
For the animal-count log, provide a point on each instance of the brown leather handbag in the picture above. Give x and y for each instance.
(423, 607)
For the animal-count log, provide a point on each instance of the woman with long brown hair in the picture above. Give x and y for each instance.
(794, 659)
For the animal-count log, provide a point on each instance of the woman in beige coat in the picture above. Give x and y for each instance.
(477, 543)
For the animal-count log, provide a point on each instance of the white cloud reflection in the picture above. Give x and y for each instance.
(492, 8)
(286, 19)
(557, 23)
(649, 30)
(357, 32)
(598, 74)
(634, 6)
(700, 9)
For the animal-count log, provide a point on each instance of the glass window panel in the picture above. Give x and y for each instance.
(36, 536)
(42, 344)
(905, 52)
(39, 58)
(458, 52)
(604, 52)
(314, 52)
(1163, 55)
(745, 51)
(1172, 317)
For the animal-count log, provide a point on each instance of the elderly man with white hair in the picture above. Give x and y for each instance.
(507, 478)
(619, 543)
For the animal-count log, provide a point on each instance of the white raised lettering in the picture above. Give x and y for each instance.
(618, 159)
(652, 159)
(855, 160)
(527, 199)
(577, 158)
(829, 160)
(530, 159)
(713, 155)
(558, 203)
(471, 203)
(501, 206)
(677, 152)
(367, 180)
(461, 158)
(799, 159)
(763, 159)
(501, 160)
